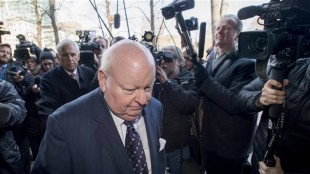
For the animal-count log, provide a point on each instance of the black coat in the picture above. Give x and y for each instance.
(180, 98)
(9, 152)
(225, 131)
(58, 88)
(293, 150)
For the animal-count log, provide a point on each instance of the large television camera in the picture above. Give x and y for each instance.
(286, 30)
(87, 56)
(23, 48)
(285, 38)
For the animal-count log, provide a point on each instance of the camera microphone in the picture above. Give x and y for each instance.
(201, 44)
(37, 80)
(249, 12)
(117, 20)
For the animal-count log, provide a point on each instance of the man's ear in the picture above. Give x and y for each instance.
(102, 80)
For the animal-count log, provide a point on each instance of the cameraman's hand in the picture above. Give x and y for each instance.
(271, 96)
(35, 88)
(277, 169)
(161, 74)
(201, 73)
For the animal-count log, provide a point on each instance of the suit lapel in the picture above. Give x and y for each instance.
(109, 138)
(153, 140)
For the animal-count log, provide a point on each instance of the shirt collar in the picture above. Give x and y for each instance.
(69, 73)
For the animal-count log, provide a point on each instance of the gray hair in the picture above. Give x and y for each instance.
(237, 21)
(176, 53)
(66, 42)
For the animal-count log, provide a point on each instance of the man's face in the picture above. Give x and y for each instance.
(31, 64)
(69, 57)
(226, 34)
(188, 63)
(47, 64)
(103, 46)
(127, 90)
(5, 54)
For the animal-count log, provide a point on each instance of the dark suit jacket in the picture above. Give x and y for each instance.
(58, 88)
(81, 137)
(225, 132)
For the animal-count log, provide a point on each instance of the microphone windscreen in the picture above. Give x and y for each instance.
(117, 20)
(202, 35)
(37, 80)
(249, 12)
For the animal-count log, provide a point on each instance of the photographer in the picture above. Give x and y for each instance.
(103, 43)
(12, 113)
(179, 95)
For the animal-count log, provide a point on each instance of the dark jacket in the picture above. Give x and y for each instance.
(225, 132)
(9, 151)
(179, 98)
(81, 138)
(293, 149)
(58, 88)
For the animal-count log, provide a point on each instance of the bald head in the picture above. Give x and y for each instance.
(127, 76)
(124, 53)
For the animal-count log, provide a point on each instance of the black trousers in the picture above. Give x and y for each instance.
(215, 164)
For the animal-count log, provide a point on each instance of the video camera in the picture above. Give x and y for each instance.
(177, 6)
(23, 48)
(286, 36)
(87, 56)
(286, 30)
(85, 43)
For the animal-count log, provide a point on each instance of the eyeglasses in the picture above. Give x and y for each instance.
(47, 64)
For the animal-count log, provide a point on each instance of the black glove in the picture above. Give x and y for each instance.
(200, 72)
(5, 113)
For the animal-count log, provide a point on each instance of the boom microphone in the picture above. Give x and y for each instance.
(201, 44)
(117, 20)
(37, 80)
(249, 12)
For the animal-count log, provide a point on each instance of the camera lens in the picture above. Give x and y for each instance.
(258, 45)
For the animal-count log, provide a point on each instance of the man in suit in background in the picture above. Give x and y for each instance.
(66, 82)
(88, 135)
(226, 135)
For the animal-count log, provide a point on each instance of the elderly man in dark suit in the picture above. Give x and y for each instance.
(66, 82)
(88, 135)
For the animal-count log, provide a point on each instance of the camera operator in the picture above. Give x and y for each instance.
(103, 43)
(179, 95)
(12, 113)
(292, 154)
(226, 137)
